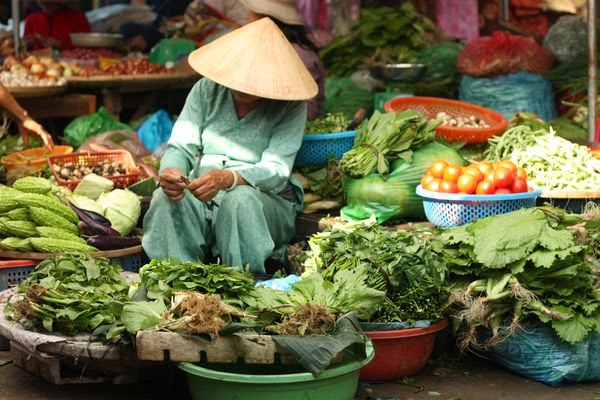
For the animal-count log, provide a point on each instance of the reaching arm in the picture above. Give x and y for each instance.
(26, 124)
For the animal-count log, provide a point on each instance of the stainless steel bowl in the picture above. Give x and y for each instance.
(104, 40)
(397, 72)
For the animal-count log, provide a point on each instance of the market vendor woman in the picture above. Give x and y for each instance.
(235, 143)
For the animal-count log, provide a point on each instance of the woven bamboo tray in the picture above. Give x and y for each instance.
(36, 91)
(126, 81)
(17, 255)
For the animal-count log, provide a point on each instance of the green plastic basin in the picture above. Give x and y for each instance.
(335, 383)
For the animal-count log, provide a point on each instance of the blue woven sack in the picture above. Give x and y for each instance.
(510, 94)
(536, 352)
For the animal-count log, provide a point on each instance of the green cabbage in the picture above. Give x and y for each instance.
(85, 203)
(122, 208)
(93, 186)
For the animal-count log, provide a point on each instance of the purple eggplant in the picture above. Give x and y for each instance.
(92, 224)
(113, 242)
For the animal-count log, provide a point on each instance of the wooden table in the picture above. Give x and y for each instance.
(113, 89)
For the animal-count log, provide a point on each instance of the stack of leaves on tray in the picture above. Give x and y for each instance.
(526, 266)
(72, 294)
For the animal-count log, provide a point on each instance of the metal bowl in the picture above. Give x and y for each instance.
(104, 40)
(397, 72)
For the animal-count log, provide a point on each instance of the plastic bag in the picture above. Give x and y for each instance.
(510, 94)
(171, 50)
(567, 39)
(537, 353)
(81, 128)
(156, 130)
(503, 53)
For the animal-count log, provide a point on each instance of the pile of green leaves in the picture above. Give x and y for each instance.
(385, 137)
(398, 30)
(522, 266)
(332, 123)
(327, 181)
(71, 294)
(161, 278)
(402, 264)
(347, 291)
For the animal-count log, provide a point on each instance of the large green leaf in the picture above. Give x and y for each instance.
(317, 352)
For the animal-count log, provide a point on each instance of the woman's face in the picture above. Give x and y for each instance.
(245, 98)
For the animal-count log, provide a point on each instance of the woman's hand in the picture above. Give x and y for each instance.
(29, 126)
(173, 181)
(206, 187)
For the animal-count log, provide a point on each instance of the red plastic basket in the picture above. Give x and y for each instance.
(430, 106)
(92, 158)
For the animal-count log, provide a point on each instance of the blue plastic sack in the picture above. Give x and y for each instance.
(510, 94)
(156, 130)
(538, 353)
(283, 284)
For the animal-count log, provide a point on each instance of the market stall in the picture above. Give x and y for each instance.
(451, 193)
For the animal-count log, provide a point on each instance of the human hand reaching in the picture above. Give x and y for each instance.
(29, 126)
(208, 185)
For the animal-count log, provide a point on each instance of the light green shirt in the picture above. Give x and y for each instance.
(261, 146)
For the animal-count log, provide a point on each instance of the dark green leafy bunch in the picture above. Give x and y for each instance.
(400, 263)
(161, 278)
(332, 123)
(397, 30)
(71, 294)
(385, 137)
(327, 181)
(519, 267)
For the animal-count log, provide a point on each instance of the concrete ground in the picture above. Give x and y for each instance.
(445, 378)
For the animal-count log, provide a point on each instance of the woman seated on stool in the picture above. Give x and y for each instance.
(225, 179)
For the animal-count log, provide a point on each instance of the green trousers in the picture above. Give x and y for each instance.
(244, 227)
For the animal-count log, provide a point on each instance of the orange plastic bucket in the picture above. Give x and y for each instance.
(35, 158)
(400, 353)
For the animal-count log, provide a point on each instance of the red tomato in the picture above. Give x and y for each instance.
(448, 187)
(503, 177)
(485, 167)
(475, 172)
(489, 176)
(437, 168)
(434, 185)
(519, 185)
(426, 179)
(502, 191)
(508, 165)
(485, 187)
(522, 173)
(452, 172)
(467, 183)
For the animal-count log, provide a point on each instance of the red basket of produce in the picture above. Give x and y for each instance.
(116, 165)
(461, 122)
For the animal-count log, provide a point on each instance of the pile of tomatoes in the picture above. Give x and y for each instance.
(502, 177)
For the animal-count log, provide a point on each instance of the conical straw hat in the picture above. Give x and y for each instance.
(256, 59)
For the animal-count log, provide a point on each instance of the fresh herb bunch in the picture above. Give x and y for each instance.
(386, 136)
(522, 266)
(71, 294)
(402, 264)
(332, 123)
(161, 278)
(376, 29)
(327, 181)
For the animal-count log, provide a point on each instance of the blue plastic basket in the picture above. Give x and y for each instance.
(132, 262)
(316, 148)
(14, 271)
(448, 209)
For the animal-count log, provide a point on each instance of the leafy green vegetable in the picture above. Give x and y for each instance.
(142, 315)
(402, 264)
(161, 278)
(332, 123)
(398, 30)
(92, 186)
(386, 136)
(122, 208)
(71, 294)
(524, 265)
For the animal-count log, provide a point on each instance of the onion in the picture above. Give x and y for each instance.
(37, 69)
(46, 60)
(29, 61)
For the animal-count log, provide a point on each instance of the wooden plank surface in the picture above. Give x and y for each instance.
(131, 82)
(252, 349)
(68, 105)
(20, 92)
(17, 255)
